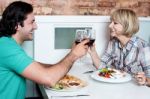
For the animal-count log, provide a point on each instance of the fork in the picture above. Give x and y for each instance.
(90, 71)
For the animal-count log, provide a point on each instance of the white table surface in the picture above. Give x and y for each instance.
(102, 90)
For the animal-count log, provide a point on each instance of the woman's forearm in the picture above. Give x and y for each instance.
(95, 59)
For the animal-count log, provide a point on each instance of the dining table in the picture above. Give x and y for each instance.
(96, 89)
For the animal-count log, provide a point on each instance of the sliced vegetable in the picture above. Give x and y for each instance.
(58, 86)
(106, 72)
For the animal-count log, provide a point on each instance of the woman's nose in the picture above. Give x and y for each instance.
(110, 25)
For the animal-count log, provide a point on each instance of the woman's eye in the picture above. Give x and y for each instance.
(115, 23)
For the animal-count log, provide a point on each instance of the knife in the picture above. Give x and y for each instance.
(71, 96)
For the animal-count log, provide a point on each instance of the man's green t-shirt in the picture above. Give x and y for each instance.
(13, 61)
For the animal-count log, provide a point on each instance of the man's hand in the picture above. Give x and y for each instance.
(80, 49)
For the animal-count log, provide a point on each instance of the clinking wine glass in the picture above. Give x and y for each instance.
(85, 34)
(92, 36)
(91, 33)
(82, 34)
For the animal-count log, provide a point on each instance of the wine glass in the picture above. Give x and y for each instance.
(81, 34)
(91, 33)
(92, 36)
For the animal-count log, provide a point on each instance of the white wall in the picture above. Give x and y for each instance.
(144, 31)
(28, 47)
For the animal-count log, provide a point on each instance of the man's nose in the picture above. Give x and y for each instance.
(35, 26)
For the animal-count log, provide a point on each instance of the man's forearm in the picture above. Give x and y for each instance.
(57, 71)
(67, 62)
(49, 74)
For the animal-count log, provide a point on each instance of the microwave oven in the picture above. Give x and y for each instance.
(56, 34)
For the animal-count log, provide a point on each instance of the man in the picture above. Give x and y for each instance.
(16, 26)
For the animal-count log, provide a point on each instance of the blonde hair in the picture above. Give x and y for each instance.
(128, 19)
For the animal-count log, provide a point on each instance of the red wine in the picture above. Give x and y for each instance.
(77, 41)
(90, 43)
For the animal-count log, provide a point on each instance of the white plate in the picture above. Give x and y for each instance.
(126, 78)
(71, 89)
(66, 90)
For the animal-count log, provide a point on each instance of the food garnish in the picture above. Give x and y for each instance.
(110, 73)
(69, 82)
(105, 72)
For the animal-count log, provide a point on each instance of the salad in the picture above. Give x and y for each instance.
(111, 73)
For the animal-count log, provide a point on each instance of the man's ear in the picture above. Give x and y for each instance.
(18, 26)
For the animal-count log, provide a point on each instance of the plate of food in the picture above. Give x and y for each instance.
(69, 83)
(111, 75)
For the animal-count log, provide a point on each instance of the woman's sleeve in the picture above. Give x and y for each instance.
(107, 57)
(145, 60)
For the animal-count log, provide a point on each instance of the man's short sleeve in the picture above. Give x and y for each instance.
(16, 59)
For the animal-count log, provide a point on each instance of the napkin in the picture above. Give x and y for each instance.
(85, 97)
(77, 94)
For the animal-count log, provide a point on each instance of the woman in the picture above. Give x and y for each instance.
(125, 51)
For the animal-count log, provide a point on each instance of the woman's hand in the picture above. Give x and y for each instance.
(141, 78)
(92, 49)
(94, 56)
